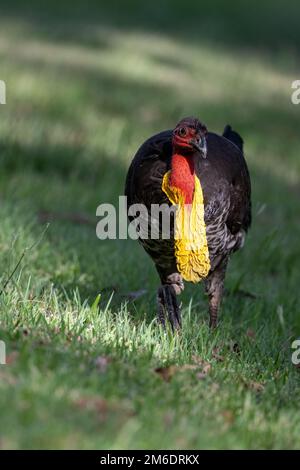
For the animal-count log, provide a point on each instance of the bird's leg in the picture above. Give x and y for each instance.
(214, 286)
(167, 300)
(168, 305)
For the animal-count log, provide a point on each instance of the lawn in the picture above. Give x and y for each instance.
(87, 366)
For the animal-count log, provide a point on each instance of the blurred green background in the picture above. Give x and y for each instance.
(87, 83)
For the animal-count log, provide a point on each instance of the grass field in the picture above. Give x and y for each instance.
(86, 85)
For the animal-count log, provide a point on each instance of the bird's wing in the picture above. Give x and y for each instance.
(226, 184)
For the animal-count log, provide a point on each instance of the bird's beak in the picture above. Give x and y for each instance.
(200, 145)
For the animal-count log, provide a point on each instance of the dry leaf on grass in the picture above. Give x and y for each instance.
(206, 368)
(203, 367)
(199, 361)
(256, 386)
(166, 373)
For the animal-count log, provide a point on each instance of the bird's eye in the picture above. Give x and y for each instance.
(182, 132)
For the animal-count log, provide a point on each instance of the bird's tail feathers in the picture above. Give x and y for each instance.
(234, 137)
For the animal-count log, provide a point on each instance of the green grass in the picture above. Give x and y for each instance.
(85, 86)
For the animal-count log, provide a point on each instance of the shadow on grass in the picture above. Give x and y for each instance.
(271, 27)
(93, 175)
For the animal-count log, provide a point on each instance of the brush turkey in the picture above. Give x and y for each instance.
(204, 178)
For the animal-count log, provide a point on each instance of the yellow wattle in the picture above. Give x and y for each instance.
(191, 249)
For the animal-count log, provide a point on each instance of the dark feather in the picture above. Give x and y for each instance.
(234, 137)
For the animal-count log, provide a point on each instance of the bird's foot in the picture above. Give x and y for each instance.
(168, 306)
(176, 281)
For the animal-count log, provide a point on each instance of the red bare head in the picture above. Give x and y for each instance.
(189, 137)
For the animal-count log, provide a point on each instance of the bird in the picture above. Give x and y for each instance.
(204, 178)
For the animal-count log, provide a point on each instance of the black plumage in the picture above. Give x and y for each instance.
(225, 182)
